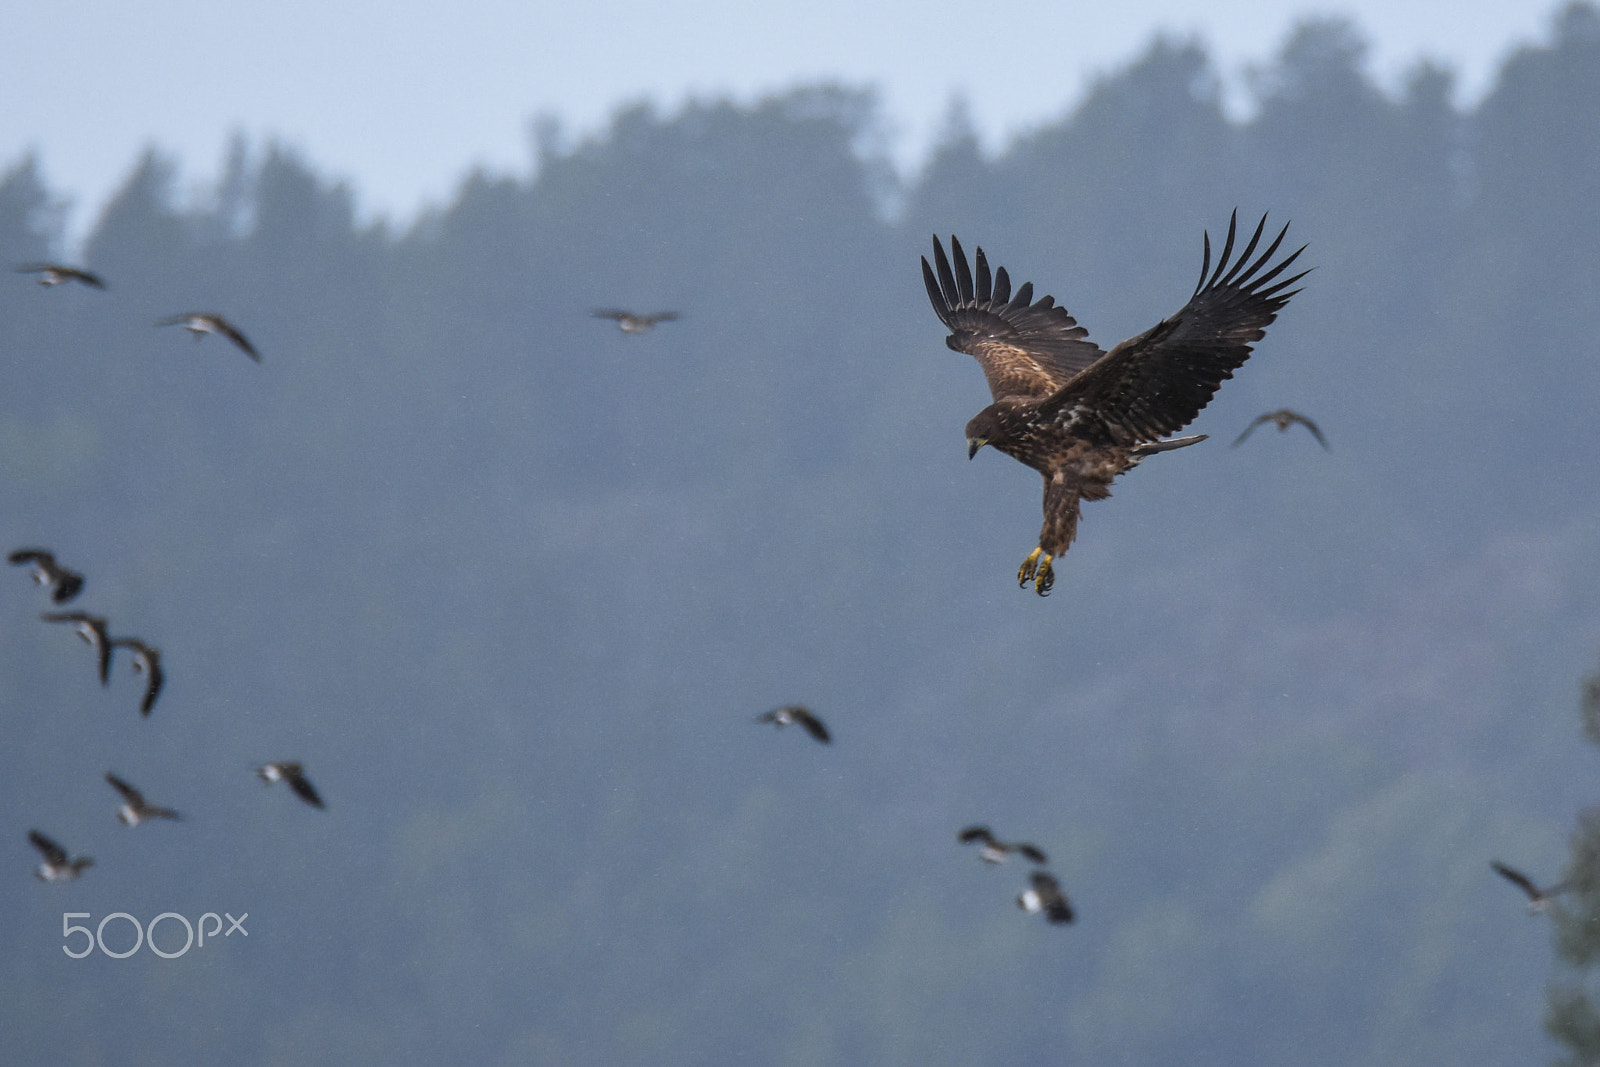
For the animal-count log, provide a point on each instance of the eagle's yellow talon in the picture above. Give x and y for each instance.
(1037, 567)
(1028, 567)
(1046, 579)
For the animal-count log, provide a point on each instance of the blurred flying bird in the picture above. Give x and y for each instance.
(1538, 899)
(794, 713)
(291, 773)
(53, 274)
(147, 661)
(92, 628)
(134, 810)
(995, 851)
(200, 323)
(1284, 418)
(56, 867)
(628, 322)
(63, 584)
(1045, 895)
(1081, 416)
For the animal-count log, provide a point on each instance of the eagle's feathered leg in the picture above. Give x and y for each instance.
(1061, 499)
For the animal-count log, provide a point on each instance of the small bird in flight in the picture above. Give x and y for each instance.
(56, 867)
(63, 583)
(53, 274)
(996, 851)
(134, 810)
(200, 323)
(295, 776)
(92, 628)
(1538, 899)
(628, 322)
(1283, 418)
(791, 714)
(147, 661)
(1045, 895)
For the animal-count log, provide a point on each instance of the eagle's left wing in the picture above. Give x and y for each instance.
(1155, 384)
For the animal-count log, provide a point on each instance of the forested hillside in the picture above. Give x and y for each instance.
(513, 585)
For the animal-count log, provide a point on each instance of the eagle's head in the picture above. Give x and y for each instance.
(990, 427)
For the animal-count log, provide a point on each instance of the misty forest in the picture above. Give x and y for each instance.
(513, 586)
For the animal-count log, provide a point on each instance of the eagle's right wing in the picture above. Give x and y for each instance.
(1025, 348)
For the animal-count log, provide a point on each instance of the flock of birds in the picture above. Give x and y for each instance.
(198, 323)
(1077, 414)
(64, 584)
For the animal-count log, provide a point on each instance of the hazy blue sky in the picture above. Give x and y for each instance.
(401, 98)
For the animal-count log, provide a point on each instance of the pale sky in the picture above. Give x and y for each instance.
(402, 97)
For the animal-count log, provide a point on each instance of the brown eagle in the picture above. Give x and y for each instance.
(1081, 416)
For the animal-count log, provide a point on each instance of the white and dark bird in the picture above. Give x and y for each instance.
(1538, 899)
(629, 322)
(294, 774)
(63, 584)
(92, 628)
(56, 866)
(134, 809)
(200, 323)
(1044, 894)
(997, 851)
(1283, 418)
(53, 274)
(147, 661)
(793, 714)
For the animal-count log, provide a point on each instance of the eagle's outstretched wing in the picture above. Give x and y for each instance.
(1156, 383)
(1025, 348)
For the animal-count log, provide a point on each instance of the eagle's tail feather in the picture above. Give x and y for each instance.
(1168, 445)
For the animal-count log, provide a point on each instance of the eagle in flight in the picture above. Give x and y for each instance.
(1081, 416)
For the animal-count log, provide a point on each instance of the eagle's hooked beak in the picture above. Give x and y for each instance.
(975, 443)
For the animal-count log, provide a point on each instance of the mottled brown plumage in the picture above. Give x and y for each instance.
(1080, 416)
